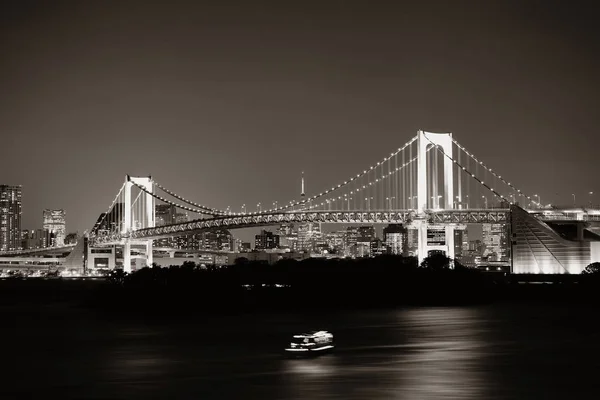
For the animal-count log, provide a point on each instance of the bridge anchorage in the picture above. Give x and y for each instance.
(431, 185)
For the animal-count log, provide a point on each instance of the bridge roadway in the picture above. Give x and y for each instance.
(433, 216)
(498, 215)
(44, 250)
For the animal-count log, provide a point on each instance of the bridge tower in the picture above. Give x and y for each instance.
(146, 221)
(443, 141)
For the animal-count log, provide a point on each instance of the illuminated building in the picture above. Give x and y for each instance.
(395, 239)
(181, 218)
(288, 237)
(540, 247)
(376, 247)
(10, 217)
(495, 240)
(412, 242)
(476, 247)
(218, 239)
(36, 239)
(266, 240)
(458, 242)
(335, 242)
(164, 214)
(366, 235)
(244, 247)
(350, 240)
(54, 222)
(465, 242)
(309, 233)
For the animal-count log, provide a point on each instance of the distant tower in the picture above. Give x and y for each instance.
(307, 231)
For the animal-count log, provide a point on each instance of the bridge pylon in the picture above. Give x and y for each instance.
(443, 141)
(134, 219)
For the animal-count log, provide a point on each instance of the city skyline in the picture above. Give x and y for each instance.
(213, 105)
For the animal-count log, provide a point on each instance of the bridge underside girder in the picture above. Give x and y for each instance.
(327, 217)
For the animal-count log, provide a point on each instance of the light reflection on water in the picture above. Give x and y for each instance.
(431, 354)
(413, 353)
(449, 363)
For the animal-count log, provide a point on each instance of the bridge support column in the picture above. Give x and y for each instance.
(424, 247)
(127, 256)
(450, 243)
(422, 242)
(149, 255)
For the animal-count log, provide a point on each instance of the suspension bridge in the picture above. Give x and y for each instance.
(431, 184)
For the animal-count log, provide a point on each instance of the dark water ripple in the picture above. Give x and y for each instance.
(489, 352)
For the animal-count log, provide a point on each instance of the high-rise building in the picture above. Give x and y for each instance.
(495, 239)
(366, 233)
(36, 239)
(180, 218)
(458, 243)
(465, 241)
(10, 217)
(54, 222)
(164, 214)
(350, 241)
(308, 234)
(335, 242)
(288, 237)
(266, 240)
(395, 239)
(218, 239)
(376, 247)
(412, 242)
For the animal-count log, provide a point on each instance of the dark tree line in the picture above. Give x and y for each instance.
(312, 283)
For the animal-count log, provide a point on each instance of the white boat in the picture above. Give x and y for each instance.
(311, 343)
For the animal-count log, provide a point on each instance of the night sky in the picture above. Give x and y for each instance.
(227, 102)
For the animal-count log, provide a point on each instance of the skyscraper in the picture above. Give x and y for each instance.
(266, 240)
(10, 217)
(164, 214)
(395, 239)
(495, 239)
(54, 222)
